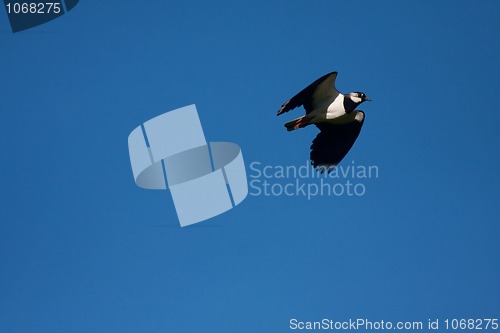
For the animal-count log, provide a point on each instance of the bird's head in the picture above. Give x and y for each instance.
(358, 97)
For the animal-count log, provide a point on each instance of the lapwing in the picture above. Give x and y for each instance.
(334, 114)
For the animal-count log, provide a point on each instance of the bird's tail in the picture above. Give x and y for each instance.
(297, 123)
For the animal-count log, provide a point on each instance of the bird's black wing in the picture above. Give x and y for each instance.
(322, 88)
(334, 142)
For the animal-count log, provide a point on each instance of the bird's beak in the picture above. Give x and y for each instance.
(368, 99)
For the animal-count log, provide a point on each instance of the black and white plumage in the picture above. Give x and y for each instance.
(334, 114)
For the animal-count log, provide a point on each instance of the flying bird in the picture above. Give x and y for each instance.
(334, 114)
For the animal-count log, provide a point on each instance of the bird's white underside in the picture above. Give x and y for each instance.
(336, 109)
(331, 112)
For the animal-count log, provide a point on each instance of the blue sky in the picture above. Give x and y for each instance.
(82, 249)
